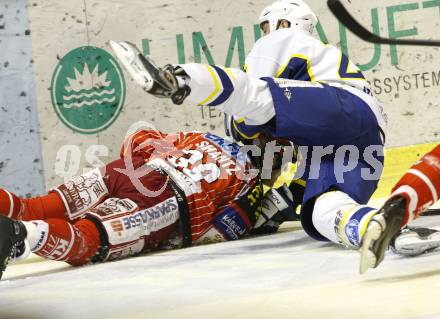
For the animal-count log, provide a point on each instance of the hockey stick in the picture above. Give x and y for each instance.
(341, 13)
(431, 212)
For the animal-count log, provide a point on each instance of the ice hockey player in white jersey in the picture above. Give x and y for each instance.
(301, 89)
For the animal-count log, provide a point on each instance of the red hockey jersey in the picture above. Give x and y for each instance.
(213, 173)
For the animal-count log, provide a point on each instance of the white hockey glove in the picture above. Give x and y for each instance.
(166, 82)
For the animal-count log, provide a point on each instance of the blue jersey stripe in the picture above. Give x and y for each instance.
(296, 69)
(227, 85)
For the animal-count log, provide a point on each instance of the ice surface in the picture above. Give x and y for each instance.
(286, 275)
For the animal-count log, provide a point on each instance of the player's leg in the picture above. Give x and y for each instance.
(420, 186)
(342, 173)
(69, 200)
(57, 239)
(416, 190)
(341, 219)
(336, 210)
(130, 221)
(114, 229)
(39, 207)
(53, 238)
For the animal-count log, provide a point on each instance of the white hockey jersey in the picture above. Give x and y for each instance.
(284, 54)
(297, 56)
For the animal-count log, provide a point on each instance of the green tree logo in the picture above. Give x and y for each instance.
(88, 90)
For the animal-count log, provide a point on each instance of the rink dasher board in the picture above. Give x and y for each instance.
(405, 79)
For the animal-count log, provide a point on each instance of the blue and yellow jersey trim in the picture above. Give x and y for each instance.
(344, 70)
(298, 68)
(300, 182)
(240, 127)
(223, 85)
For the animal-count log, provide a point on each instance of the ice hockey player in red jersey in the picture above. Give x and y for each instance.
(416, 191)
(165, 191)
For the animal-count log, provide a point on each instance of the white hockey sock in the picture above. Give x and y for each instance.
(231, 91)
(340, 219)
(22, 252)
(37, 232)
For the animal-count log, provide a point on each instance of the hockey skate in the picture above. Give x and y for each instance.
(414, 241)
(166, 82)
(12, 241)
(382, 228)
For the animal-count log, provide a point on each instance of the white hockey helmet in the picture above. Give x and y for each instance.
(296, 12)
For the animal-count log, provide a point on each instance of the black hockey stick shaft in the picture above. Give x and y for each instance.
(341, 13)
(431, 212)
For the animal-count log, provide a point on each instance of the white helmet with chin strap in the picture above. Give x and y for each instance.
(296, 12)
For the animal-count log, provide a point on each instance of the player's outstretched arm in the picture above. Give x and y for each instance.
(230, 90)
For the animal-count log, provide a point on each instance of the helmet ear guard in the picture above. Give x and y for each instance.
(296, 12)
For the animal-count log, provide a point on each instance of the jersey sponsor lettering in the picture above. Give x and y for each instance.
(123, 226)
(112, 206)
(231, 149)
(160, 215)
(43, 228)
(54, 248)
(82, 192)
(230, 224)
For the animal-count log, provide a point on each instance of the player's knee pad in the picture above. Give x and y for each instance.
(82, 193)
(341, 219)
(10, 204)
(125, 228)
